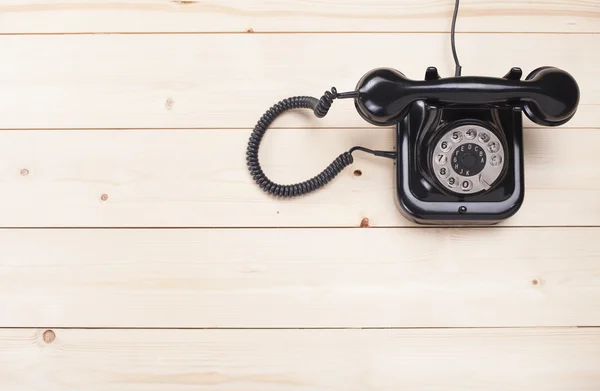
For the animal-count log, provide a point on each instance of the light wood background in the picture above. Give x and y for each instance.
(137, 254)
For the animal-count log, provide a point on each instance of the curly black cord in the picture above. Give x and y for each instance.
(320, 108)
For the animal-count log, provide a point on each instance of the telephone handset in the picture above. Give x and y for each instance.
(459, 148)
(549, 96)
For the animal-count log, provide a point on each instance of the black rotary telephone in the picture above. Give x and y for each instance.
(459, 153)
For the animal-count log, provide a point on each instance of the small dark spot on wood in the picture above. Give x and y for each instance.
(277, 212)
(184, 2)
(24, 172)
(250, 30)
(104, 197)
(364, 223)
(357, 172)
(535, 282)
(49, 336)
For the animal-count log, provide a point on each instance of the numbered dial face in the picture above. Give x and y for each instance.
(468, 159)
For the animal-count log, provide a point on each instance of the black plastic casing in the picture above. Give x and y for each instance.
(422, 199)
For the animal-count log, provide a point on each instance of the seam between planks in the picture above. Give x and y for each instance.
(239, 228)
(349, 32)
(270, 128)
(309, 328)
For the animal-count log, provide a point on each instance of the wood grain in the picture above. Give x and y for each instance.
(199, 178)
(255, 278)
(353, 360)
(125, 119)
(228, 81)
(75, 16)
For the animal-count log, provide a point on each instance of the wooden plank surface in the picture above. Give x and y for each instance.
(282, 360)
(229, 81)
(255, 278)
(133, 115)
(199, 178)
(75, 16)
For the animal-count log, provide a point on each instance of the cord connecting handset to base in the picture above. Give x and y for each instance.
(320, 108)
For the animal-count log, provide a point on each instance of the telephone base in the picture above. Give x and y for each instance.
(459, 164)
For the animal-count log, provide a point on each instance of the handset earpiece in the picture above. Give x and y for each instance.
(554, 99)
(549, 96)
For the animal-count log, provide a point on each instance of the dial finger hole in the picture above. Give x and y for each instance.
(466, 185)
(445, 146)
(496, 160)
(493, 146)
(441, 159)
(484, 138)
(456, 136)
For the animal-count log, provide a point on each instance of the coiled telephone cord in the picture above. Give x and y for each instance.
(320, 108)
